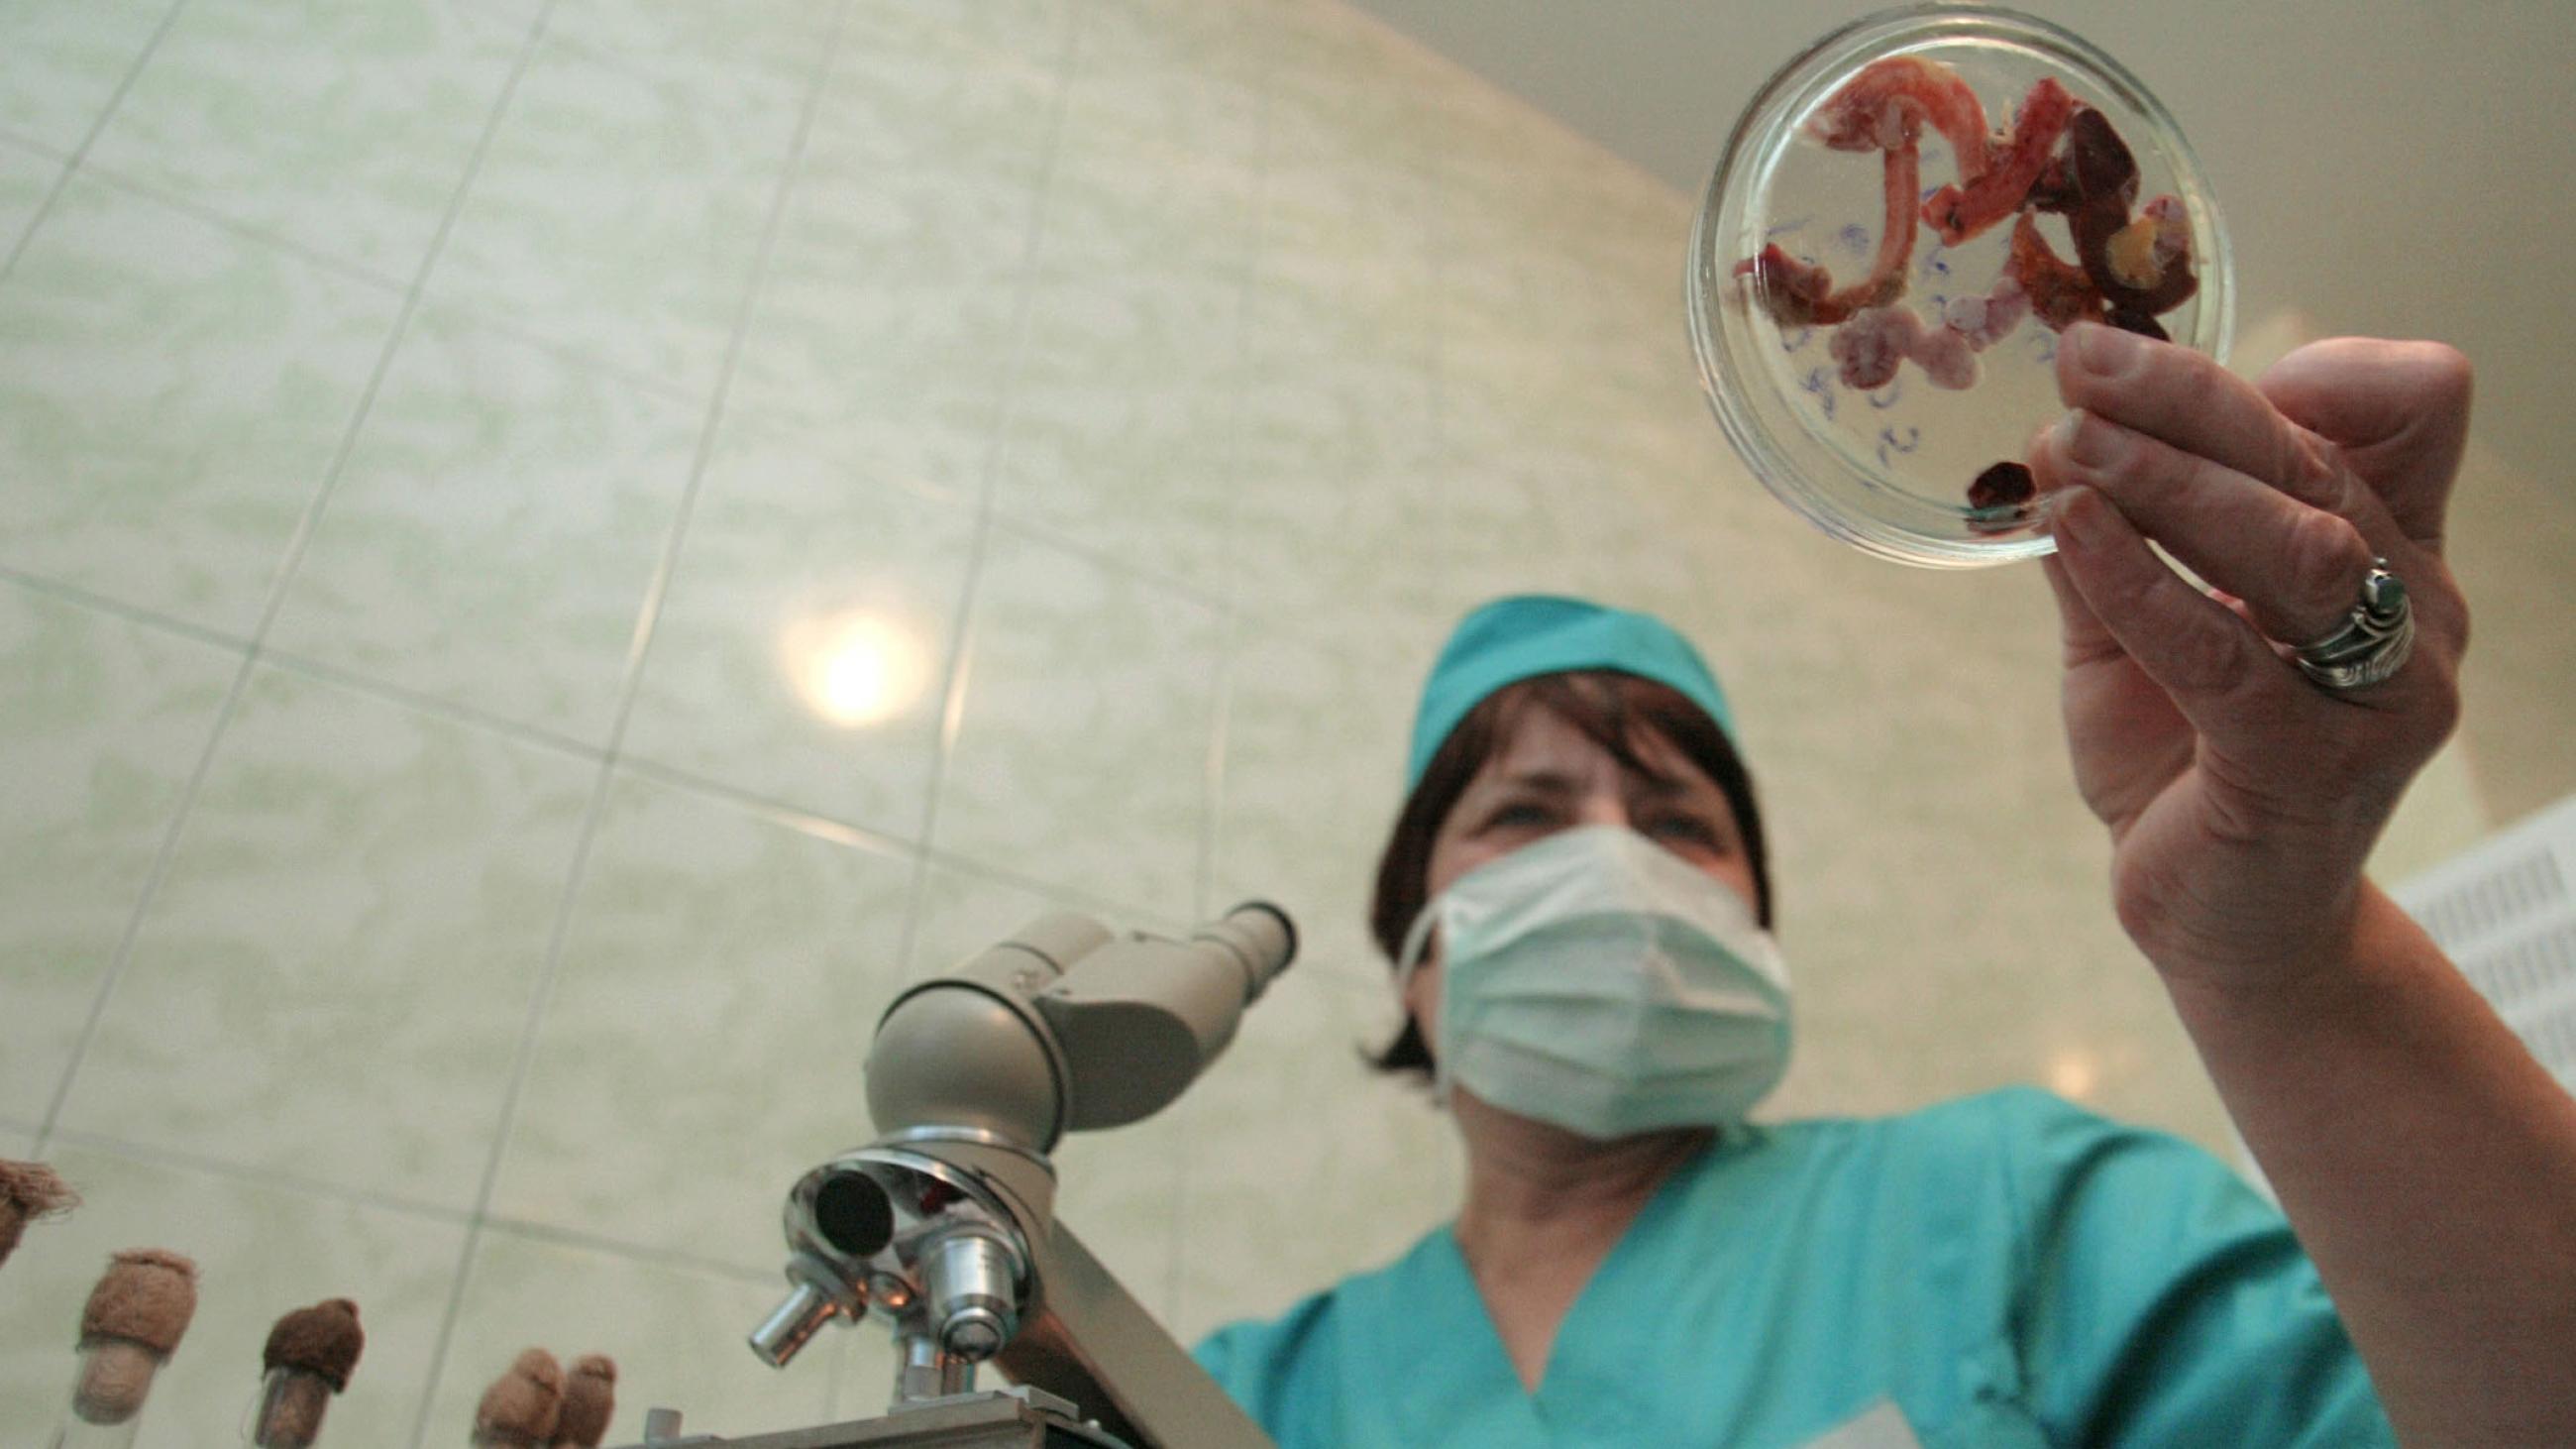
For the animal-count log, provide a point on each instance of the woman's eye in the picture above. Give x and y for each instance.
(1683, 827)
(1521, 815)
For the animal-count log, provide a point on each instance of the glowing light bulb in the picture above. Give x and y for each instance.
(857, 668)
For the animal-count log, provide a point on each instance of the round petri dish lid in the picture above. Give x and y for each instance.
(1870, 385)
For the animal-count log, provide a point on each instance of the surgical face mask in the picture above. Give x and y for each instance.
(1597, 981)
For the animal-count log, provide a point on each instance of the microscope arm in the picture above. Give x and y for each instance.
(1087, 1341)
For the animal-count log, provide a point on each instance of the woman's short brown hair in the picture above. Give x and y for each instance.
(1613, 710)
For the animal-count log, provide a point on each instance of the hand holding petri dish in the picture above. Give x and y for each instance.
(1904, 221)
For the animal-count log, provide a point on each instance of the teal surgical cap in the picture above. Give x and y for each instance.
(1528, 635)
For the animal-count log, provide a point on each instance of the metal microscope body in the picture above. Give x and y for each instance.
(945, 1224)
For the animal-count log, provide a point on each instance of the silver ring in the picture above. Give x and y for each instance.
(2373, 641)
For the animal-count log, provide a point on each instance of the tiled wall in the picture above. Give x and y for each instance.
(552, 552)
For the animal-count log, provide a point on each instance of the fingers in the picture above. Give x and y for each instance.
(2203, 656)
(2297, 569)
(2177, 396)
(2399, 411)
(2084, 636)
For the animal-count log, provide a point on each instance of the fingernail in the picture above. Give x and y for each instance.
(2107, 352)
(2092, 444)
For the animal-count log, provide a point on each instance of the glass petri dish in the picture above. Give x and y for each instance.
(1887, 468)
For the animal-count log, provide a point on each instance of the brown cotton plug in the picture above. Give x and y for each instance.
(590, 1397)
(133, 1321)
(28, 1191)
(309, 1356)
(523, 1406)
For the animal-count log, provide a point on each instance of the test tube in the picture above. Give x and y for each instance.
(131, 1325)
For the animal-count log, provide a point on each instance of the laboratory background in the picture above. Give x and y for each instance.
(556, 553)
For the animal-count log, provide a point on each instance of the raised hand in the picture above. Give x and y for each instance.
(2242, 798)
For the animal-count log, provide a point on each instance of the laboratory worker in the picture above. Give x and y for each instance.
(1577, 907)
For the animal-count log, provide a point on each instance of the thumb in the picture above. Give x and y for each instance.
(2398, 411)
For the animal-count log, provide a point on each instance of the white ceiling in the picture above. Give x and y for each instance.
(2399, 169)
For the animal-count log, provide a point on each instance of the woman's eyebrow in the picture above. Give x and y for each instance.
(1662, 787)
(1544, 782)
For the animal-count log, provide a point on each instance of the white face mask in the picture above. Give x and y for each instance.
(1597, 981)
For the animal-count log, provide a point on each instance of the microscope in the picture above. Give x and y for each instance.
(944, 1226)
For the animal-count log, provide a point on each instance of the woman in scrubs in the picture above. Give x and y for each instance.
(1577, 904)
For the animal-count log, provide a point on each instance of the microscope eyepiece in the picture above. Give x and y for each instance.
(853, 1215)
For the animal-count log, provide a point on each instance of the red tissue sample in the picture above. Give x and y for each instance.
(2059, 157)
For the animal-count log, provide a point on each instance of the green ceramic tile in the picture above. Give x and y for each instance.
(1290, 832)
(346, 128)
(779, 949)
(1120, 1191)
(65, 58)
(620, 205)
(676, 1335)
(101, 722)
(962, 911)
(1142, 467)
(496, 530)
(170, 397)
(782, 38)
(1081, 749)
(890, 289)
(1340, 530)
(260, 1251)
(1281, 1204)
(334, 977)
(1129, 376)
(1349, 253)
(1158, 155)
(801, 651)
(25, 176)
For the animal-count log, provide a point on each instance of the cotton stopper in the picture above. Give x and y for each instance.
(589, 1399)
(308, 1358)
(134, 1320)
(28, 1191)
(523, 1406)
(323, 1340)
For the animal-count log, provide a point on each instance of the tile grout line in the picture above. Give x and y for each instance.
(1435, 228)
(388, 692)
(1236, 630)
(152, 878)
(1108, 560)
(17, 140)
(1232, 614)
(403, 317)
(482, 316)
(115, 180)
(80, 153)
(233, 1171)
(649, 1254)
(74, 596)
(961, 649)
(648, 616)
(295, 1184)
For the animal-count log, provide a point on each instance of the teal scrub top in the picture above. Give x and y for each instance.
(2007, 1270)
